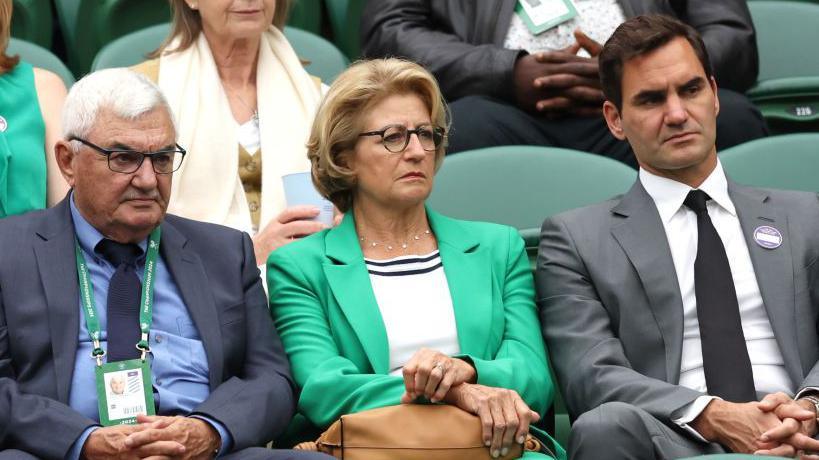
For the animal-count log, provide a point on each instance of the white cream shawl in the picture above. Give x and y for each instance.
(207, 186)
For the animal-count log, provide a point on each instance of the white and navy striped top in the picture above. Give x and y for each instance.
(413, 296)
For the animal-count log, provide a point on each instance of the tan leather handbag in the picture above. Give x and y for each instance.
(410, 432)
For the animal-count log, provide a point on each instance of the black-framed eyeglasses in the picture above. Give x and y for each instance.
(128, 161)
(396, 137)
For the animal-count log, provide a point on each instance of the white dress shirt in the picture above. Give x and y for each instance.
(680, 225)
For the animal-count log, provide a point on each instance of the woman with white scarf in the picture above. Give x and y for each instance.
(244, 106)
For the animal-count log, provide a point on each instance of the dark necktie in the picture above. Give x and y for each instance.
(725, 358)
(124, 291)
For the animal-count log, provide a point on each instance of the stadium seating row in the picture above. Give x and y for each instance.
(520, 185)
(108, 33)
(88, 25)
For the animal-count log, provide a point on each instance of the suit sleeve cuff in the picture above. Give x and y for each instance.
(224, 434)
(76, 449)
(690, 412)
(807, 391)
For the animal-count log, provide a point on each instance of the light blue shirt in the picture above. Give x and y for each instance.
(179, 366)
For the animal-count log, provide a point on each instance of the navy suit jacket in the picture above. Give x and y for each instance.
(252, 393)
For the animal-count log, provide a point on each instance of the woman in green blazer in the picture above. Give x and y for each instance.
(399, 304)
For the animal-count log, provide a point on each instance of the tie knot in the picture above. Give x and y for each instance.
(119, 253)
(696, 200)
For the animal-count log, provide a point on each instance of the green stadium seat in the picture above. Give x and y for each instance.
(787, 91)
(31, 20)
(131, 49)
(40, 57)
(562, 424)
(306, 15)
(784, 162)
(324, 60)
(345, 17)
(522, 185)
(88, 25)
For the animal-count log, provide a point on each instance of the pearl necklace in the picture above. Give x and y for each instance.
(404, 245)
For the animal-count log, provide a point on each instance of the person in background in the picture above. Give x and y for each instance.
(244, 104)
(510, 85)
(399, 303)
(30, 103)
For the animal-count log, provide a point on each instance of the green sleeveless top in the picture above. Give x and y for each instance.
(22, 143)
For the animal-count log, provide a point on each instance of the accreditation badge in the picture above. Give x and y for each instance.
(124, 391)
(542, 15)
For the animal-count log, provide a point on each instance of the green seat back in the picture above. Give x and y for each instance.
(784, 162)
(522, 185)
(786, 32)
(306, 15)
(88, 25)
(788, 88)
(325, 60)
(562, 423)
(345, 22)
(40, 57)
(131, 49)
(31, 20)
(322, 58)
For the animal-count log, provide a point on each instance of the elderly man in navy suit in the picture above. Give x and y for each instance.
(126, 332)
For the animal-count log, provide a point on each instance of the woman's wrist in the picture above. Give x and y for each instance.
(468, 369)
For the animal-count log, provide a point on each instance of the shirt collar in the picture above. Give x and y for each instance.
(87, 235)
(668, 194)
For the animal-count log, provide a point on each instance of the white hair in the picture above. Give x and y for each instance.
(126, 93)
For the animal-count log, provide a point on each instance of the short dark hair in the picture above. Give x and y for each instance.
(638, 36)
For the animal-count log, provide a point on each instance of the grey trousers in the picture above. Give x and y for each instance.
(622, 431)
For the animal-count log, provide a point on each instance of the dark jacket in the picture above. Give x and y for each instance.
(460, 41)
(252, 393)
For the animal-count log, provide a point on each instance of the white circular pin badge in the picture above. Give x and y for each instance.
(767, 237)
(3, 124)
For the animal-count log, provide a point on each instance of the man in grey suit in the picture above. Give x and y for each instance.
(77, 343)
(508, 85)
(670, 311)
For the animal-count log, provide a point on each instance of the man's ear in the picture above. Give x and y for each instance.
(612, 116)
(66, 156)
(713, 83)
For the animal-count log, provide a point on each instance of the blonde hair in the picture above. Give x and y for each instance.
(6, 62)
(187, 24)
(340, 119)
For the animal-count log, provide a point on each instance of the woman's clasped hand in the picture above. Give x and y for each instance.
(505, 417)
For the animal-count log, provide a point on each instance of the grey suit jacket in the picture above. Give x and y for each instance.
(461, 41)
(214, 267)
(610, 303)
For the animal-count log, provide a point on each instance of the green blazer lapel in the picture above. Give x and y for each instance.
(350, 283)
(773, 269)
(468, 271)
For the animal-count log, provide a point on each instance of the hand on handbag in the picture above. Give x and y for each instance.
(505, 418)
(431, 374)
